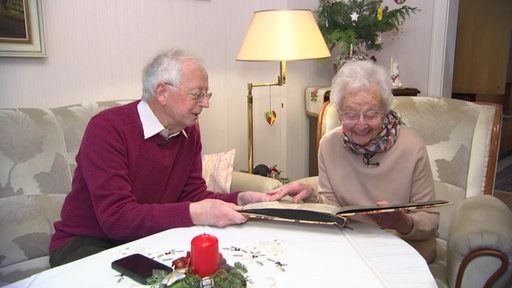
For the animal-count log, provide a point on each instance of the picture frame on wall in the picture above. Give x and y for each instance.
(22, 28)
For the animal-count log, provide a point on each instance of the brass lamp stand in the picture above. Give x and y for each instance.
(281, 80)
(279, 35)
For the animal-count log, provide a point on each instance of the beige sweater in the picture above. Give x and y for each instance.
(403, 175)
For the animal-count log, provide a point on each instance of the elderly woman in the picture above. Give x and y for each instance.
(373, 159)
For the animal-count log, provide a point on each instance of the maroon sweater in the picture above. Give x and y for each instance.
(125, 187)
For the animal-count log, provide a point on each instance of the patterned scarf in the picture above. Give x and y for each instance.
(384, 141)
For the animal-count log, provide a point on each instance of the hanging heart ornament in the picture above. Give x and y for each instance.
(270, 116)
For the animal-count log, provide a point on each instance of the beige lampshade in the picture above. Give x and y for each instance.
(283, 35)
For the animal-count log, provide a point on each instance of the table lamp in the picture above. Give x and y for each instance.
(279, 35)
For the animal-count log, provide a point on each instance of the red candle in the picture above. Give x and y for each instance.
(204, 255)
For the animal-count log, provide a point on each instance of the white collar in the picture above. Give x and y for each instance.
(150, 124)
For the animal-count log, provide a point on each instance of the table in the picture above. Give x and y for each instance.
(276, 254)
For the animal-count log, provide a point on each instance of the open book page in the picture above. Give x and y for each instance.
(359, 210)
(302, 212)
(318, 207)
(324, 213)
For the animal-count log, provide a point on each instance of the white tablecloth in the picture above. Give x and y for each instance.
(276, 254)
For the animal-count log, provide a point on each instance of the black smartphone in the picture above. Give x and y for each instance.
(139, 267)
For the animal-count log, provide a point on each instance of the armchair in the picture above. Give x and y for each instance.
(474, 239)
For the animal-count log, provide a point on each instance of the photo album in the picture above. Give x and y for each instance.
(324, 213)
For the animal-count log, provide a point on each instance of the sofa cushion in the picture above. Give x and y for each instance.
(34, 178)
(23, 270)
(447, 128)
(27, 225)
(32, 154)
(73, 120)
(452, 194)
(481, 222)
(243, 181)
(218, 170)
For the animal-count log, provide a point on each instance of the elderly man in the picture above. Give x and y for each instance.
(139, 167)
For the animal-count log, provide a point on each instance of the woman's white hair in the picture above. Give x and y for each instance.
(356, 75)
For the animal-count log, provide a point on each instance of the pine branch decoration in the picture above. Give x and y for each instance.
(226, 277)
(359, 22)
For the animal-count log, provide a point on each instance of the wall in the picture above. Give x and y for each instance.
(97, 49)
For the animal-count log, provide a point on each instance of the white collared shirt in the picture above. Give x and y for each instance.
(150, 124)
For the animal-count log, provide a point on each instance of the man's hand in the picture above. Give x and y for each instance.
(215, 212)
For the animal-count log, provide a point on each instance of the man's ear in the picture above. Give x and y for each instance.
(161, 94)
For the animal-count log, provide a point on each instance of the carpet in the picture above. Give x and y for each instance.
(503, 181)
(504, 196)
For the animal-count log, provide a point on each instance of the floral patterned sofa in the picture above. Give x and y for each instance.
(474, 239)
(37, 160)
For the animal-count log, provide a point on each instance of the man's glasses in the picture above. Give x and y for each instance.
(198, 96)
(367, 117)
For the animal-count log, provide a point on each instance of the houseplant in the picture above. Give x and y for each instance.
(351, 27)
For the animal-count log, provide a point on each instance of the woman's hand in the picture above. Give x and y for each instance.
(397, 220)
(297, 190)
(252, 197)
